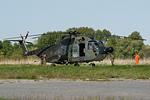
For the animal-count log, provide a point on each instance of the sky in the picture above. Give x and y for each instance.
(120, 17)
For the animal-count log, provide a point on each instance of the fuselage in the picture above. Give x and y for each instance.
(74, 49)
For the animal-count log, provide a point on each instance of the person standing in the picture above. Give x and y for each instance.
(137, 58)
(43, 59)
(112, 58)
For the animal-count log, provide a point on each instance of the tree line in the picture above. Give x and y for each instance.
(124, 47)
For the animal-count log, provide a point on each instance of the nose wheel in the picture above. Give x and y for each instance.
(92, 64)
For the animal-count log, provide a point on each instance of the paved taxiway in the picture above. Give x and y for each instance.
(49, 89)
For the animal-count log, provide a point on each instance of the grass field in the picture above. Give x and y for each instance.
(83, 72)
(36, 61)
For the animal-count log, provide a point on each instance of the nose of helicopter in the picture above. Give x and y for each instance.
(108, 49)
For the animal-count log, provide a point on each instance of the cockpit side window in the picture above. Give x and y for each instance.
(94, 47)
(65, 41)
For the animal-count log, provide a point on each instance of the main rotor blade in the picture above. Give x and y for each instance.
(19, 41)
(126, 37)
(14, 40)
(132, 38)
(24, 36)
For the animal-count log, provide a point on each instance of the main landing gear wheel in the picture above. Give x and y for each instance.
(76, 64)
(92, 64)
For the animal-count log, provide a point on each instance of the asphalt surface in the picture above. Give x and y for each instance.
(71, 90)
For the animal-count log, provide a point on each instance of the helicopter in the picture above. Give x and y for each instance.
(71, 49)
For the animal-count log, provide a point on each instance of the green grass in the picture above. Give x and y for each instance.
(84, 72)
(2, 98)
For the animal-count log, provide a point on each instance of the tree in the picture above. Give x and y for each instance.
(126, 47)
(135, 36)
(103, 35)
(146, 51)
(17, 51)
(7, 48)
(49, 38)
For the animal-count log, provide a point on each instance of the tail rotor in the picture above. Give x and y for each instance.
(27, 35)
(21, 41)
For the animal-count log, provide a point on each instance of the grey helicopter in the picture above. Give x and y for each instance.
(72, 48)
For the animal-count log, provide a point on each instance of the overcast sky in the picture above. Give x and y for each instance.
(121, 17)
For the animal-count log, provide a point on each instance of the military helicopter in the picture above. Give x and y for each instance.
(71, 49)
